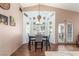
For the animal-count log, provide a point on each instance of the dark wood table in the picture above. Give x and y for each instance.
(30, 38)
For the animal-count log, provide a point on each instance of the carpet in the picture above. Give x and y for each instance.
(62, 53)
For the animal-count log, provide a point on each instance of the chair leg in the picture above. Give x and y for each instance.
(49, 45)
(35, 46)
(29, 46)
(32, 42)
(41, 46)
(46, 46)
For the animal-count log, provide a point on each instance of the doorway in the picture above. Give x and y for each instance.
(32, 26)
(61, 33)
(65, 33)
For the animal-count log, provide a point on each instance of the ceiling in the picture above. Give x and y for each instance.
(28, 4)
(67, 6)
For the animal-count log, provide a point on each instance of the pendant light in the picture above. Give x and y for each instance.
(39, 17)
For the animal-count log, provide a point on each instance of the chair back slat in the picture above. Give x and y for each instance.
(39, 38)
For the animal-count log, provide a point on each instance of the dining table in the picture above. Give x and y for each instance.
(32, 36)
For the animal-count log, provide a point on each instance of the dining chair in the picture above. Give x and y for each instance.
(31, 41)
(47, 42)
(77, 41)
(39, 41)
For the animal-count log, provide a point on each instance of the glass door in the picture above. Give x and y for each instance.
(61, 33)
(69, 33)
(65, 33)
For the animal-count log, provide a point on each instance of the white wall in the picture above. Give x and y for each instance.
(25, 35)
(52, 36)
(11, 36)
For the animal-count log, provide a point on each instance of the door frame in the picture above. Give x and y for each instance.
(65, 42)
(64, 34)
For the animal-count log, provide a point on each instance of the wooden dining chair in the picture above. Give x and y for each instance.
(39, 41)
(31, 42)
(47, 42)
(77, 41)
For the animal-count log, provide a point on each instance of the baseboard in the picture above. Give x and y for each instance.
(66, 43)
(15, 49)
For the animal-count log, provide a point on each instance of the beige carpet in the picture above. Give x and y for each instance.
(62, 53)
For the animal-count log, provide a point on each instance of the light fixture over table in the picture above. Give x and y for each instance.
(39, 16)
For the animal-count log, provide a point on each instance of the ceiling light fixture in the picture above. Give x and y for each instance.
(39, 16)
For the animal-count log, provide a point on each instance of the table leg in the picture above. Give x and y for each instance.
(29, 45)
(46, 44)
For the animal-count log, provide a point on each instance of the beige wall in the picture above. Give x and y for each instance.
(11, 36)
(61, 16)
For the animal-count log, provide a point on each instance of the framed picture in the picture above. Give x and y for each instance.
(3, 19)
(12, 21)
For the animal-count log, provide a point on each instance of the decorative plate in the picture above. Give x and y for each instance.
(50, 22)
(5, 6)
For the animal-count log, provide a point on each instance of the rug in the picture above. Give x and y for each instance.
(62, 53)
